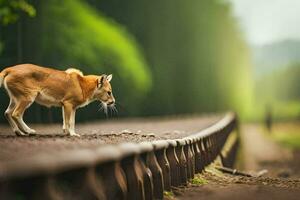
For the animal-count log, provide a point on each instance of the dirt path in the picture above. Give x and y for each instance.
(281, 182)
(259, 152)
(227, 187)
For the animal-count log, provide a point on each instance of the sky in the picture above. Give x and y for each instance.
(267, 21)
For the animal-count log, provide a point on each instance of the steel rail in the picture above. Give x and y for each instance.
(124, 171)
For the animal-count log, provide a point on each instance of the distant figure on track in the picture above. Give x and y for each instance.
(268, 118)
(70, 89)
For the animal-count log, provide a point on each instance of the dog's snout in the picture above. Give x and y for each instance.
(110, 103)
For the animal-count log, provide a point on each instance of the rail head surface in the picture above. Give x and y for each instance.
(160, 144)
(229, 119)
(172, 143)
(146, 147)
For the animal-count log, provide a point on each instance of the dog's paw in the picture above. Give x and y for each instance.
(74, 135)
(30, 131)
(20, 133)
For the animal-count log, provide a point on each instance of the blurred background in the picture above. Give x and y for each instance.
(167, 56)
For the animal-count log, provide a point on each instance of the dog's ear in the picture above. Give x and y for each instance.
(109, 77)
(101, 80)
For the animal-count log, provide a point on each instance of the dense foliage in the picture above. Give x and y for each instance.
(197, 58)
(283, 85)
(10, 10)
(72, 34)
(280, 91)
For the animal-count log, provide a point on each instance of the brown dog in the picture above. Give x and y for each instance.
(68, 89)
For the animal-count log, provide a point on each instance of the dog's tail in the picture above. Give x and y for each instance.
(2, 76)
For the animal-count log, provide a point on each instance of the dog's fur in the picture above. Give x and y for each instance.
(70, 89)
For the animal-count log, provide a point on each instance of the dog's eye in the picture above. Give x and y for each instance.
(109, 93)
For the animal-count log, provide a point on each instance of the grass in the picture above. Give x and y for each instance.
(168, 195)
(197, 180)
(287, 110)
(287, 134)
(290, 141)
(281, 111)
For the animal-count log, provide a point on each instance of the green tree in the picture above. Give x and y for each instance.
(71, 33)
(199, 59)
(281, 85)
(10, 10)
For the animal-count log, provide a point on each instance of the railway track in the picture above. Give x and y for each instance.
(166, 154)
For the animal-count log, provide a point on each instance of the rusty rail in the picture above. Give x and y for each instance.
(125, 171)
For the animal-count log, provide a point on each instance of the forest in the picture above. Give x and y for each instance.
(279, 91)
(168, 57)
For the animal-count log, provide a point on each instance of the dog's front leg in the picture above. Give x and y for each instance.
(64, 121)
(69, 119)
(72, 123)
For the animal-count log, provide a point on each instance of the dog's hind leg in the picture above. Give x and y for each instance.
(8, 115)
(17, 115)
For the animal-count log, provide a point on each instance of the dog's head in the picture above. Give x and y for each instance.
(103, 92)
